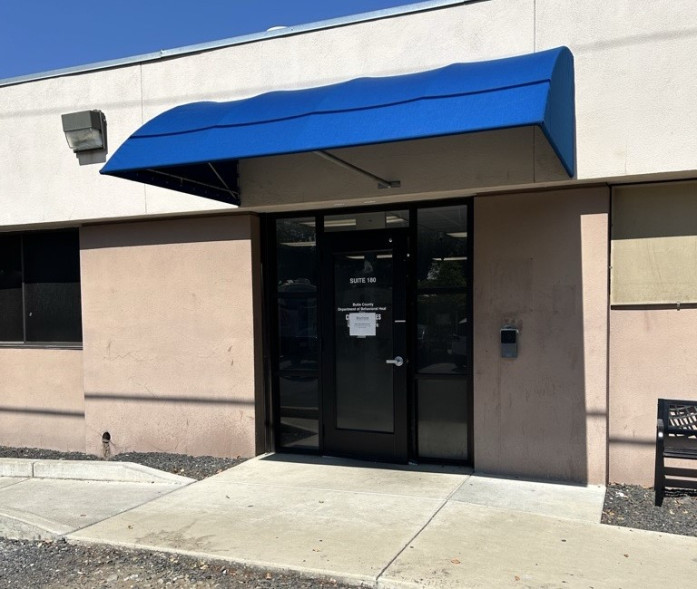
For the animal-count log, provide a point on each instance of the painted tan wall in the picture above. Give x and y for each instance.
(540, 262)
(652, 355)
(170, 340)
(41, 401)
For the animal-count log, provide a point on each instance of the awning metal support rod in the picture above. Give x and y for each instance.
(220, 178)
(382, 183)
(182, 179)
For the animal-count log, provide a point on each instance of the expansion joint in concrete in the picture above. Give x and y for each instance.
(421, 529)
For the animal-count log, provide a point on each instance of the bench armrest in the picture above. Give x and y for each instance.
(660, 435)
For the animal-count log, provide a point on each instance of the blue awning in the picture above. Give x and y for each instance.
(194, 148)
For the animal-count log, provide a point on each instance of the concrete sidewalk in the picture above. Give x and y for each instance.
(47, 499)
(400, 527)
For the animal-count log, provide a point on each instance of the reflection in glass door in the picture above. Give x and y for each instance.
(365, 388)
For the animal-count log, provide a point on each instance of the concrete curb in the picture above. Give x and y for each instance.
(87, 470)
(20, 525)
(364, 580)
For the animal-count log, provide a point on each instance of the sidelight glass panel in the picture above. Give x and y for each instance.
(442, 330)
(296, 252)
(11, 329)
(364, 340)
(297, 293)
(442, 419)
(299, 411)
(298, 342)
(442, 247)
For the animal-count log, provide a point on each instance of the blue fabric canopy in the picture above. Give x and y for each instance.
(195, 147)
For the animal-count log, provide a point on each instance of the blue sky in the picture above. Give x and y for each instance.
(42, 35)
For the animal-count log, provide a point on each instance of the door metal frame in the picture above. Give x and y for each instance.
(269, 319)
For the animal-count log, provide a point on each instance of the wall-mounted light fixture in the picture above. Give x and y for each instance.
(85, 130)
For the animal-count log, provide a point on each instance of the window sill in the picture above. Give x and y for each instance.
(41, 346)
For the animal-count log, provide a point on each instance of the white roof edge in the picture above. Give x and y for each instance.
(240, 40)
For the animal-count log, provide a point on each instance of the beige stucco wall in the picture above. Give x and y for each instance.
(652, 356)
(540, 262)
(41, 401)
(171, 335)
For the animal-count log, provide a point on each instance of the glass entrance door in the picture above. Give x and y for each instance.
(365, 353)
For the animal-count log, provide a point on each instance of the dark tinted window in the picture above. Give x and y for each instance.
(442, 249)
(299, 406)
(10, 288)
(298, 343)
(442, 268)
(40, 287)
(443, 419)
(296, 275)
(442, 333)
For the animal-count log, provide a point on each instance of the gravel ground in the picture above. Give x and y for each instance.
(54, 565)
(632, 507)
(60, 565)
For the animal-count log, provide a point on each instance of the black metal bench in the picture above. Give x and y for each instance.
(676, 438)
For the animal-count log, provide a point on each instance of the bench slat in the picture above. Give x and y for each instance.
(681, 453)
(681, 483)
(680, 472)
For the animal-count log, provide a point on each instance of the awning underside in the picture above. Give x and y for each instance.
(194, 148)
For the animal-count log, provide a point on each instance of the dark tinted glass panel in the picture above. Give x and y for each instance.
(52, 287)
(297, 290)
(11, 289)
(442, 419)
(442, 330)
(363, 341)
(296, 255)
(442, 247)
(299, 414)
(297, 321)
(370, 220)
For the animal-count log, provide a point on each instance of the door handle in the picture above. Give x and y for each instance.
(398, 361)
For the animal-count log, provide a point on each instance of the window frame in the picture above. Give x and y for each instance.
(24, 343)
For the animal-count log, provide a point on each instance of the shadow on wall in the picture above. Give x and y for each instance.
(542, 414)
(208, 228)
(41, 427)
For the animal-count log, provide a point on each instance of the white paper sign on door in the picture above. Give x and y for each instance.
(362, 324)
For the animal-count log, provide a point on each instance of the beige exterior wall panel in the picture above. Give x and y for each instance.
(41, 401)
(41, 179)
(652, 356)
(169, 335)
(390, 46)
(635, 91)
(654, 242)
(634, 96)
(540, 263)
